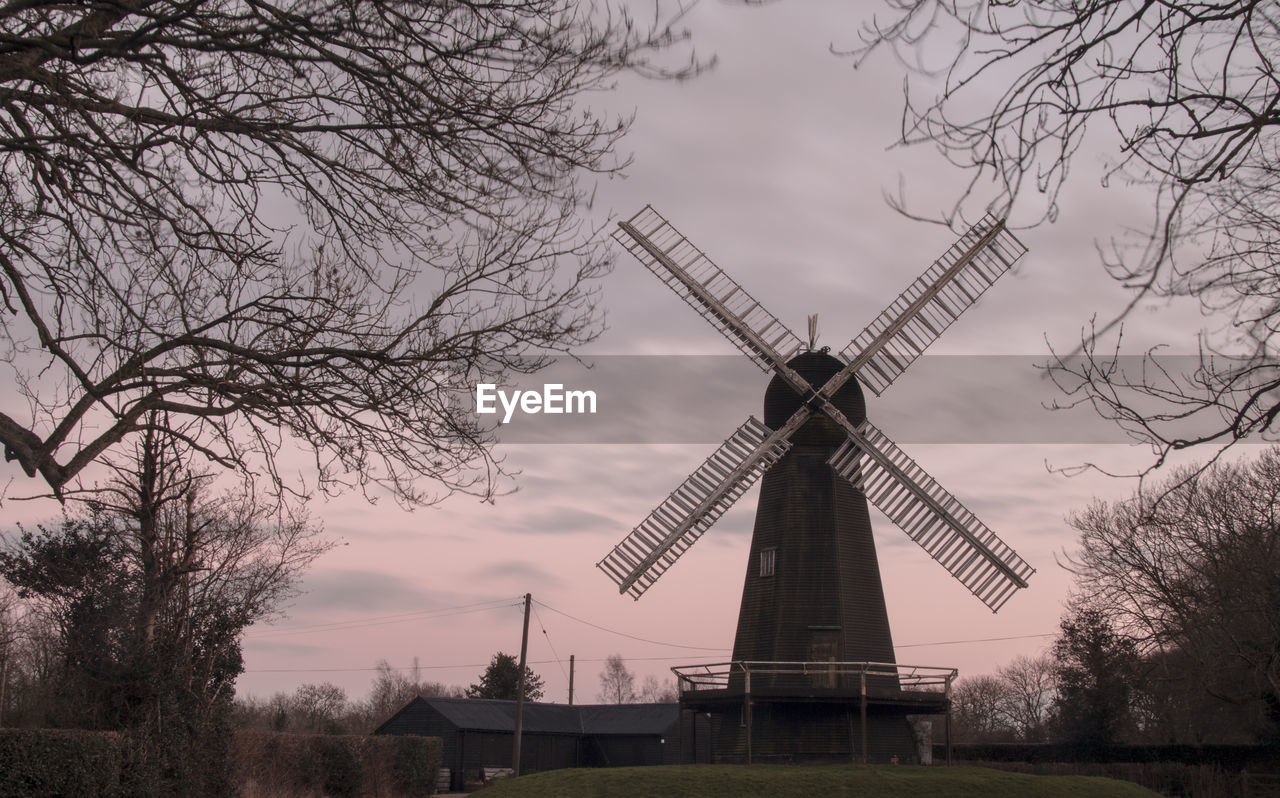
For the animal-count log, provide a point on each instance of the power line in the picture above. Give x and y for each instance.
(543, 627)
(624, 634)
(513, 602)
(449, 667)
(386, 620)
(975, 640)
(628, 659)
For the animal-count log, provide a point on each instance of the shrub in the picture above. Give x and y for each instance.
(414, 762)
(339, 766)
(333, 759)
(51, 763)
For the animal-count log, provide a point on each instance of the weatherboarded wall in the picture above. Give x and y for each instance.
(477, 734)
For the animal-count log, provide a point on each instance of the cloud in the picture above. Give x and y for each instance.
(519, 572)
(559, 519)
(274, 648)
(363, 591)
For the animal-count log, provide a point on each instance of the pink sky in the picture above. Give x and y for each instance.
(774, 164)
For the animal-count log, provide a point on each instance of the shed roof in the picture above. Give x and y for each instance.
(628, 718)
(483, 714)
(486, 714)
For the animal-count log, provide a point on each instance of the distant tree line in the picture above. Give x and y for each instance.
(325, 708)
(618, 686)
(1173, 635)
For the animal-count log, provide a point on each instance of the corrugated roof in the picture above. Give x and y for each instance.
(482, 714)
(628, 718)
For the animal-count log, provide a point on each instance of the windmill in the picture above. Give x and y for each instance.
(812, 592)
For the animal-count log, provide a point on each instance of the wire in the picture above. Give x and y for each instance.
(976, 640)
(541, 625)
(343, 670)
(624, 634)
(385, 620)
(492, 605)
(502, 601)
(344, 626)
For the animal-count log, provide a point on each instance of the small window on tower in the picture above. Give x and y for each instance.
(768, 557)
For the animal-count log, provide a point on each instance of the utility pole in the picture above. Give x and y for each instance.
(524, 649)
(570, 680)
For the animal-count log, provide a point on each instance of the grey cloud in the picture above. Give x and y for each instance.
(272, 647)
(523, 575)
(359, 590)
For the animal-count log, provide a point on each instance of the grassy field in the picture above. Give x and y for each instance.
(795, 781)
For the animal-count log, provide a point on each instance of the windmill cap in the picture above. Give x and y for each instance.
(781, 401)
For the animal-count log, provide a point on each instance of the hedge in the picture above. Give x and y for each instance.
(52, 763)
(62, 763)
(1231, 757)
(336, 766)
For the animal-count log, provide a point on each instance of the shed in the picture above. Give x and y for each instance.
(477, 734)
(614, 735)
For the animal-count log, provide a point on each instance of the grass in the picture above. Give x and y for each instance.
(794, 781)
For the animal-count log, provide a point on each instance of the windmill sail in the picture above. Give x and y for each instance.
(897, 485)
(898, 336)
(714, 294)
(653, 546)
(931, 516)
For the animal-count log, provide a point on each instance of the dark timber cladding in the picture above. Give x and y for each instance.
(818, 596)
(477, 734)
(824, 600)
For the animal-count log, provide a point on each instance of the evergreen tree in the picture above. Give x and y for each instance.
(501, 680)
(1097, 670)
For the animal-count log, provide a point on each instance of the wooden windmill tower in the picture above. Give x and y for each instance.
(812, 628)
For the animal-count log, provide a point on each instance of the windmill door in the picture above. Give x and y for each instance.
(824, 646)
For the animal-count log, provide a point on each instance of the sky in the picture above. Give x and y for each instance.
(775, 163)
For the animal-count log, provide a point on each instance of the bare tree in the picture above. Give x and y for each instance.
(1012, 704)
(978, 707)
(1189, 96)
(654, 692)
(1028, 696)
(617, 684)
(150, 592)
(8, 639)
(392, 689)
(30, 667)
(1192, 571)
(319, 706)
(193, 555)
(315, 221)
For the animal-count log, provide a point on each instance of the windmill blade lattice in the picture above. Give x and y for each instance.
(705, 286)
(920, 314)
(931, 516)
(653, 546)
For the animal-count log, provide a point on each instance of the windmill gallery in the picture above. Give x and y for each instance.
(813, 675)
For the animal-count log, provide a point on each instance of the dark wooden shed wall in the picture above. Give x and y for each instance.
(581, 737)
(418, 717)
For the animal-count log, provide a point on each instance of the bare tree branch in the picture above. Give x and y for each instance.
(1190, 569)
(311, 221)
(1189, 94)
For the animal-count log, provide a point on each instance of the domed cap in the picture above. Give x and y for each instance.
(781, 401)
